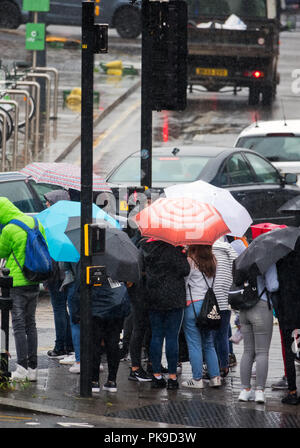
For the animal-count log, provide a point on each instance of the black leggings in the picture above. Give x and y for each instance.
(109, 331)
(141, 325)
(289, 358)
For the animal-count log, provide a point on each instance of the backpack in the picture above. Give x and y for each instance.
(38, 262)
(245, 297)
(209, 317)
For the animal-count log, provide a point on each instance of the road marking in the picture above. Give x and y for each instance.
(115, 125)
(12, 417)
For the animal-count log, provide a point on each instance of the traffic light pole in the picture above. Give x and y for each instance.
(146, 110)
(87, 83)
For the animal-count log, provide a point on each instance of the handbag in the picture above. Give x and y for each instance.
(209, 317)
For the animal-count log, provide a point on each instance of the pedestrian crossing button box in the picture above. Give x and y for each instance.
(94, 236)
(96, 275)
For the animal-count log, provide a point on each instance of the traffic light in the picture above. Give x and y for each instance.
(167, 43)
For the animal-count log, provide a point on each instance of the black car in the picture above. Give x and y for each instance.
(24, 192)
(252, 179)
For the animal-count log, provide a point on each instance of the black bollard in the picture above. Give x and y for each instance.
(6, 282)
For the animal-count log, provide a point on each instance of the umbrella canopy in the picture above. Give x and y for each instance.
(267, 249)
(64, 174)
(293, 205)
(55, 220)
(233, 213)
(122, 259)
(181, 221)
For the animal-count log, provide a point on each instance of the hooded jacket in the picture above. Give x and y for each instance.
(165, 268)
(57, 195)
(13, 239)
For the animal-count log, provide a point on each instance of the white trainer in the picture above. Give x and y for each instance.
(215, 381)
(259, 396)
(67, 360)
(20, 374)
(32, 374)
(75, 368)
(246, 395)
(193, 384)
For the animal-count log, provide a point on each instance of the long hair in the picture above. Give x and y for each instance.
(204, 259)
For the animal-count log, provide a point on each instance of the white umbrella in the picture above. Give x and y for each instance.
(233, 213)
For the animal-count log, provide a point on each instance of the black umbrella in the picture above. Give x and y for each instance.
(122, 259)
(293, 205)
(267, 249)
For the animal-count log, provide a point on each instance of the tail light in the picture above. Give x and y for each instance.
(257, 74)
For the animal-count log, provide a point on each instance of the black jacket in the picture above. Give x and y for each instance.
(288, 308)
(165, 269)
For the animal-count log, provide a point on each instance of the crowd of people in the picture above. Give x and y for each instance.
(160, 309)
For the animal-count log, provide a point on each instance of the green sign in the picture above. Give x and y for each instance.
(35, 36)
(36, 5)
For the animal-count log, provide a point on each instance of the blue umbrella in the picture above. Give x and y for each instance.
(55, 220)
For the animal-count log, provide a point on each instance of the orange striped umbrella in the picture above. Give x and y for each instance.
(181, 221)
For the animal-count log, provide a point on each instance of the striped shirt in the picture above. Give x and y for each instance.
(225, 255)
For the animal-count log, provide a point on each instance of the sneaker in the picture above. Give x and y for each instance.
(291, 399)
(32, 374)
(95, 386)
(172, 384)
(247, 395)
(193, 384)
(236, 337)
(259, 396)
(139, 375)
(56, 354)
(20, 374)
(281, 384)
(75, 368)
(110, 386)
(179, 368)
(68, 360)
(232, 360)
(158, 383)
(215, 382)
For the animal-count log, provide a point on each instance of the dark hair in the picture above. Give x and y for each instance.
(204, 259)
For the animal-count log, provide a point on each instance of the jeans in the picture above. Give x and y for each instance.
(257, 329)
(75, 328)
(108, 330)
(24, 326)
(140, 320)
(63, 334)
(198, 341)
(165, 325)
(221, 339)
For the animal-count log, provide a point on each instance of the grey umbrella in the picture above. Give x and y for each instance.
(267, 249)
(293, 205)
(122, 259)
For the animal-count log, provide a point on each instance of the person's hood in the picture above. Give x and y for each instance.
(152, 248)
(57, 195)
(9, 211)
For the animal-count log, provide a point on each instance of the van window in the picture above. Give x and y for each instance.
(275, 149)
(241, 8)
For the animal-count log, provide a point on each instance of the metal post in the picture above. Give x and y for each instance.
(15, 148)
(26, 136)
(56, 82)
(146, 111)
(3, 142)
(87, 83)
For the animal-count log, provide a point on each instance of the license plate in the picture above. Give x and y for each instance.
(211, 71)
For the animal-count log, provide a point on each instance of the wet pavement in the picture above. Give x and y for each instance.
(136, 405)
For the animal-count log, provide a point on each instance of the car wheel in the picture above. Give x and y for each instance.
(10, 16)
(253, 99)
(127, 22)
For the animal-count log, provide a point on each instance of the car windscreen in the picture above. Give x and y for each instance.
(20, 195)
(164, 169)
(241, 8)
(275, 148)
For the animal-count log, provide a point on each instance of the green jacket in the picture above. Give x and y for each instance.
(13, 238)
